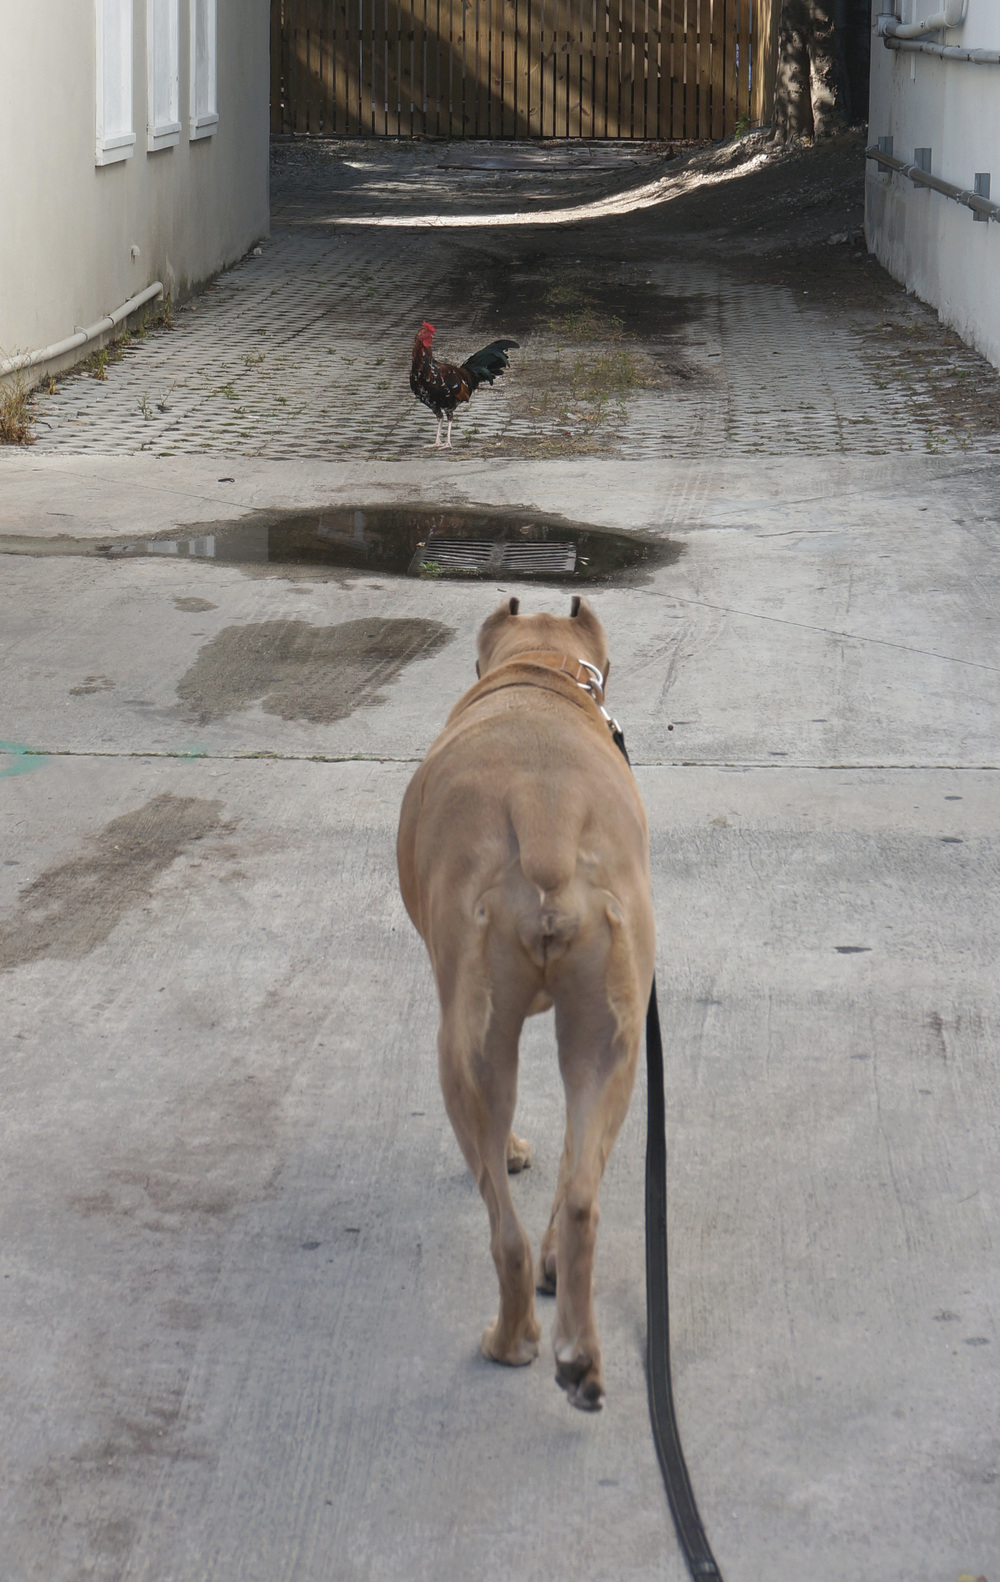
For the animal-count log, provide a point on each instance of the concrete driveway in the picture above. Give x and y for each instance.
(244, 1269)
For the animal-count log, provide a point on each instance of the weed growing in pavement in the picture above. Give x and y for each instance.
(588, 326)
(145, 408)
(15, 414)
(160, 317)
(99, 361)
(227, 391)
(251, 359)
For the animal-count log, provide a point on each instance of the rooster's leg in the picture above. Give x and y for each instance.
(447, 443)
(435, 443)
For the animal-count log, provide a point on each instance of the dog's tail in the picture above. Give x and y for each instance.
(548, 906)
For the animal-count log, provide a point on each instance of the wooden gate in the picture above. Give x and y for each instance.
(520, 68)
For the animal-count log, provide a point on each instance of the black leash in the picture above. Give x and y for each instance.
(666, 1435)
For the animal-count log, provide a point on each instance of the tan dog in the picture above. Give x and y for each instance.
(524, 863)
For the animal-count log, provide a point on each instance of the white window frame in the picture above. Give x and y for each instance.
(163, 120)
(115, 129)
(204, 101)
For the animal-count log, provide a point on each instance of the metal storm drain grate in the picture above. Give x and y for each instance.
(484, 557)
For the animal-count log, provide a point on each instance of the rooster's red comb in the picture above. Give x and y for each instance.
(426, 326)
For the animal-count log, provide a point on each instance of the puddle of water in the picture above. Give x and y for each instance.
(413, 541)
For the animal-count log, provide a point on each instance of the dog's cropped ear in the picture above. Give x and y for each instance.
(574, 608)
(479, 673)
(491, 629)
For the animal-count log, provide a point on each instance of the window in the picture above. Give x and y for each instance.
(204, 101)
(163, 127)
(115, 134)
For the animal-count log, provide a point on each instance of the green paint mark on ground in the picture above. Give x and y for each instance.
(24, 759)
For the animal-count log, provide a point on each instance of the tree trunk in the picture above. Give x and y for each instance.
(811, 97)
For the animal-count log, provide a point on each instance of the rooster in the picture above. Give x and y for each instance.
(442, 386)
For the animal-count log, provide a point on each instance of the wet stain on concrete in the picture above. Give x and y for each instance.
(210, 1149)
(91, 684)
(194, 606)
(304, 672)
(113, 1536)
(72, 908)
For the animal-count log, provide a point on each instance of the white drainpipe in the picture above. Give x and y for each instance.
(47, 354)
(952, 14)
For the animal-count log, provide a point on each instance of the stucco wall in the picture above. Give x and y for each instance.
(927, 241)
(67, 226)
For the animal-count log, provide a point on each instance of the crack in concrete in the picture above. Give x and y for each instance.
(825, 631)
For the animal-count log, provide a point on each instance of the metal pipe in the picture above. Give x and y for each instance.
(10, 365)
(980, 57)
(923, 178)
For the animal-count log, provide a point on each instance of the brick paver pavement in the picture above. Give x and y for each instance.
(303, 351)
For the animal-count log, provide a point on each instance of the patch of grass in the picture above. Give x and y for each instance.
(227, 391)
(15, 414)
(607, 376)
(251, 359)
(587, 325)
(97, 364)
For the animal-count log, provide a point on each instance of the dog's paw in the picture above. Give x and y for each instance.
(518, 1155)
(516, 1355)
(581, 1378)
(545, 1284)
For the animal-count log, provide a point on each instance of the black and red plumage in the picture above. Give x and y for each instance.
(443, 386)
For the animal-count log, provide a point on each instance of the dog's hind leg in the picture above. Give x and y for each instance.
(598, 1026)
(478, 1066)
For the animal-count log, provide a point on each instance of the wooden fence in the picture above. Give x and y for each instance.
(521, 68)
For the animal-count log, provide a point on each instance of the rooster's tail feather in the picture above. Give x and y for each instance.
(487, 365)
